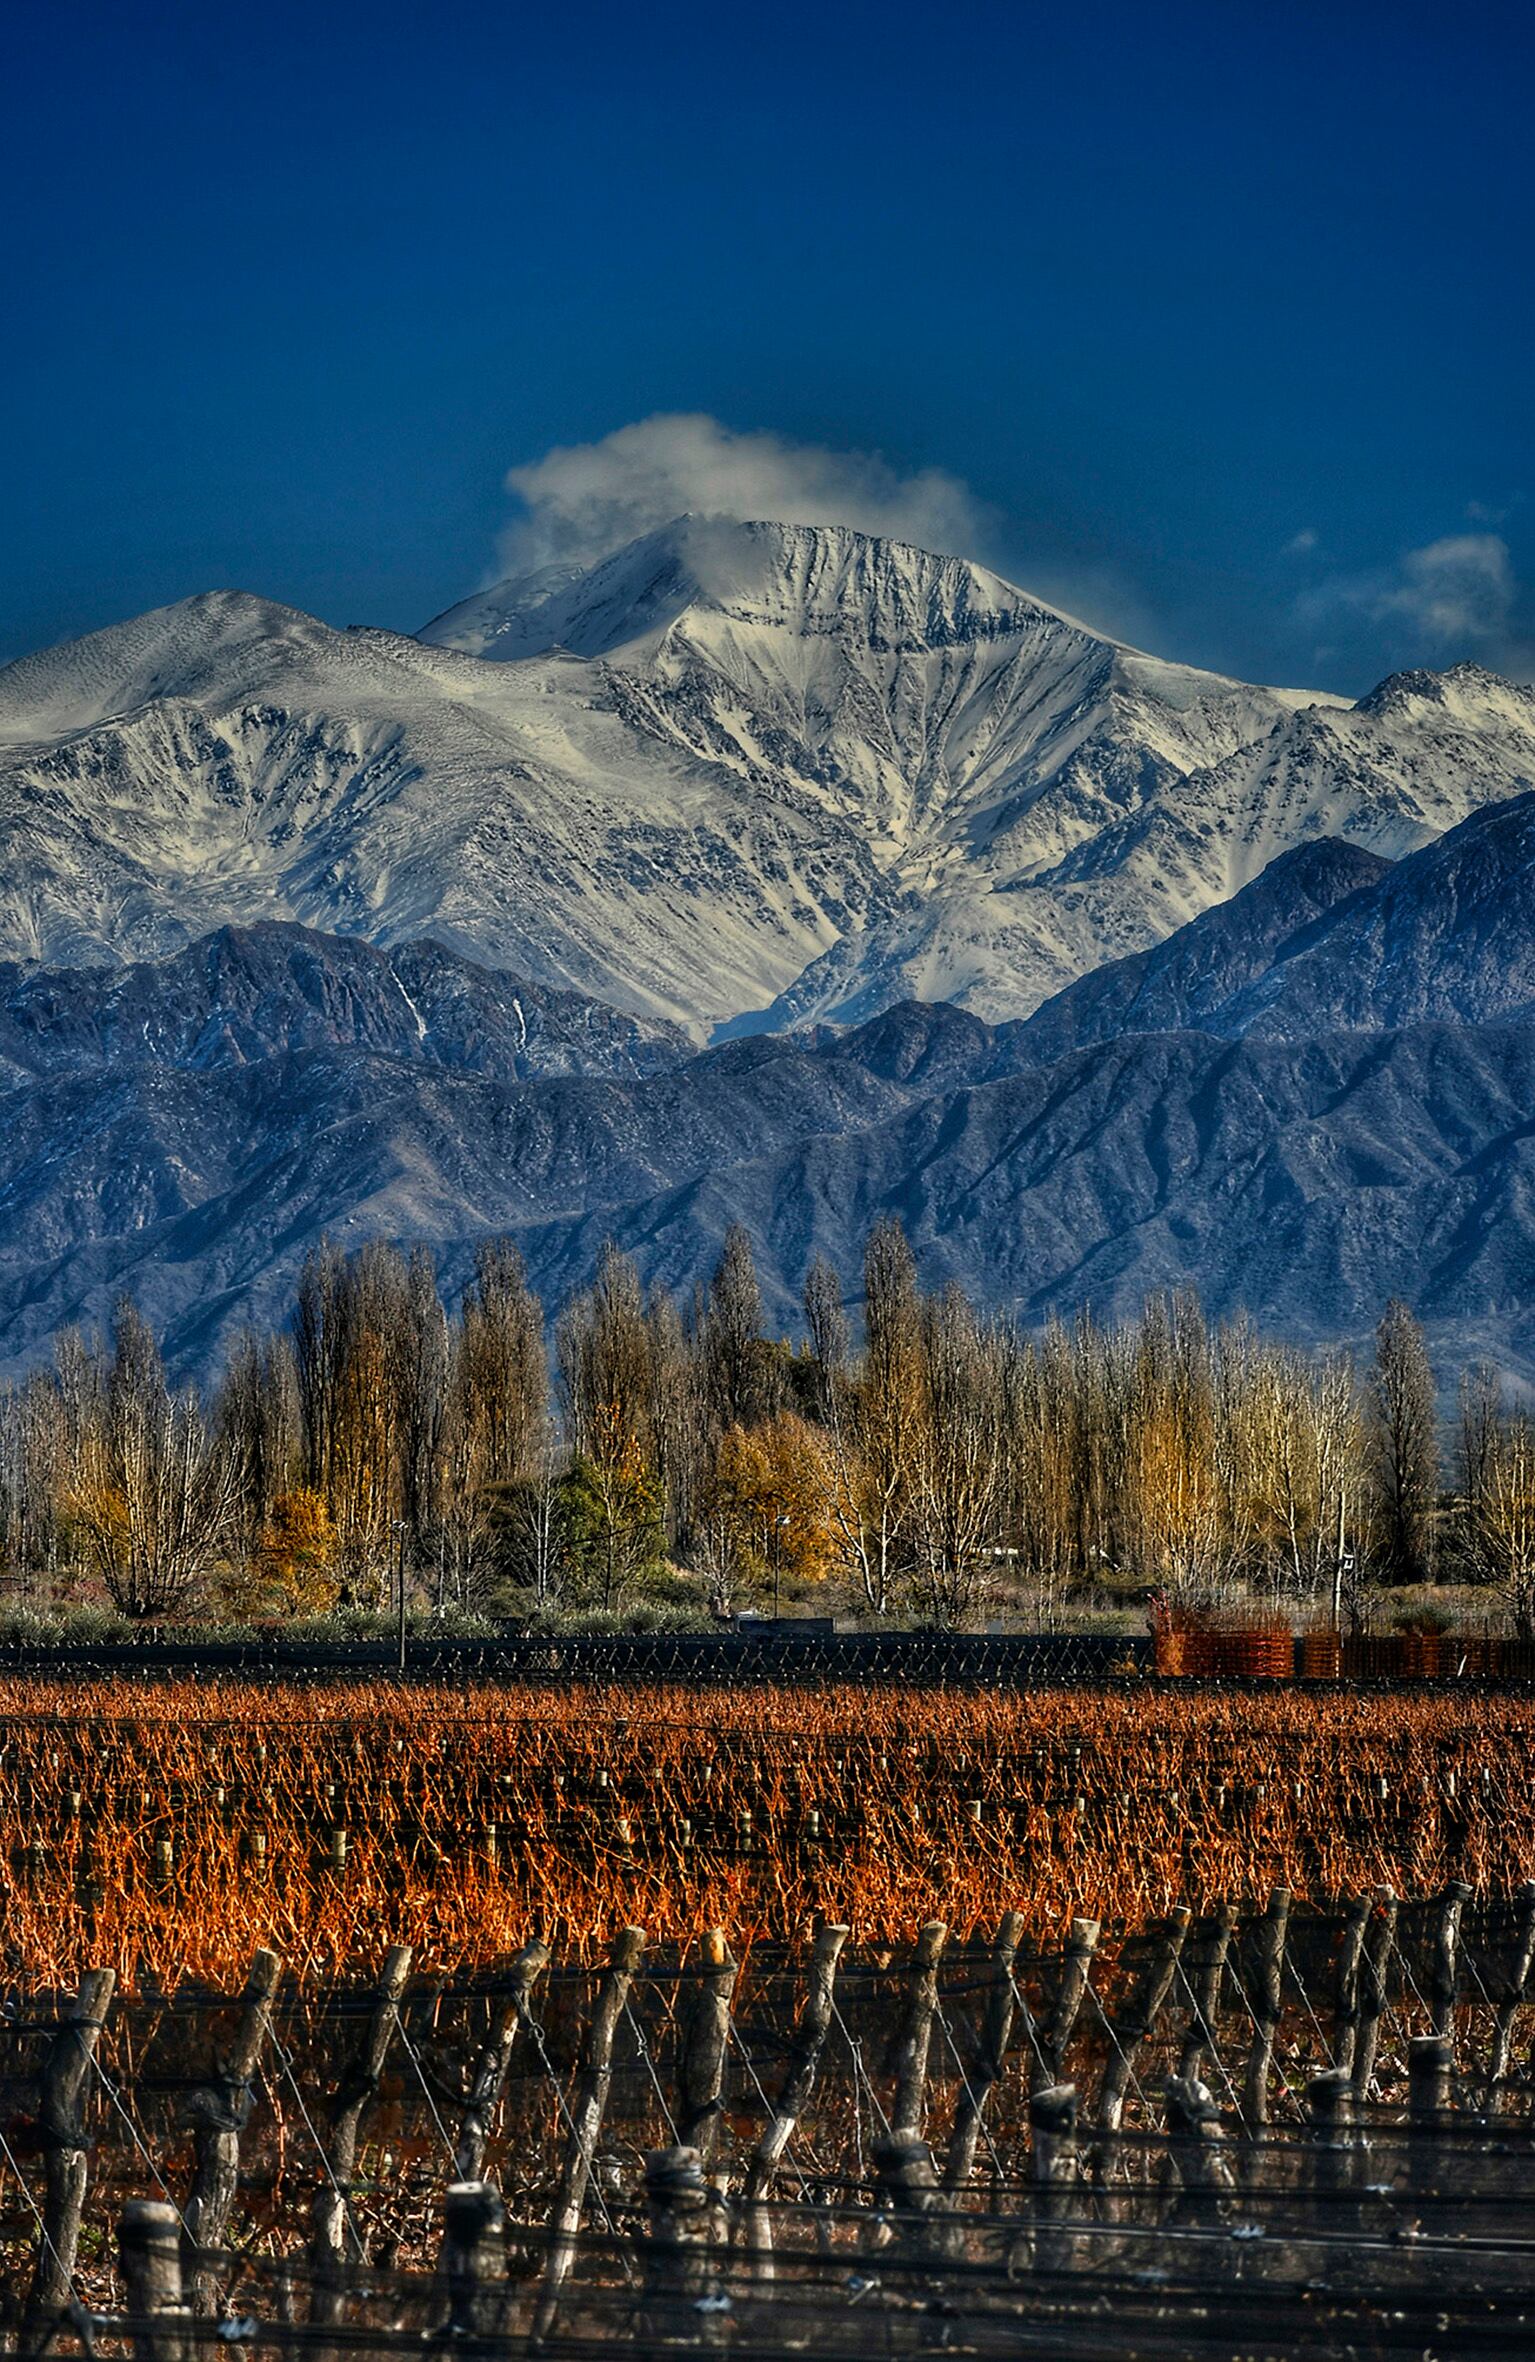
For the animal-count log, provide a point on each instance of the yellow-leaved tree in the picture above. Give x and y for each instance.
(297, 1553)
(769, 1516)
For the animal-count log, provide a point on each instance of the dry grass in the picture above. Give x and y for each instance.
(626, 1805)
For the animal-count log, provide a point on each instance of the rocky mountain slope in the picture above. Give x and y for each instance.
(1102, 973)
(1191, 977)
(1331, 938)
(1302, 1182)
(1280, 1105)
(732, 776)
(248, 993)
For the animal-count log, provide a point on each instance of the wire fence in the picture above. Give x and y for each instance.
(1121, 2144)
(806, 1652)
(780, 1656)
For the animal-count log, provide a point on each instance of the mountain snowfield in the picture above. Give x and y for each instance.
(732, 776)
(310, 933)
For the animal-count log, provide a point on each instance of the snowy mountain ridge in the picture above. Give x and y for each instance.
(731, 776)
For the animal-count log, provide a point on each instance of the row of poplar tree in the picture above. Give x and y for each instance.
(930, 1465)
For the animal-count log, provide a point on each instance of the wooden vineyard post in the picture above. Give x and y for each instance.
(1053, 2169)
(705, 2041)
(1430, 2081)
(359, 2084)
(1430, 2084)
(1511, 2000)
(1207, 1968)
(1346, 1990)
(810, 2034)
(1380, 1944)
(1446, 1970)
(921, 2228)
(474, 2265)
(917, 2033)
(1267, 2000)
(586, 2123)
(1194, 2143)
(1055, 2034)
(149, 2255)
(66, 2079)
(1130, 2027)
(488, 2080)
(1330, 2118)
(222, 2109)
(677, 2258)
(1002, 2003)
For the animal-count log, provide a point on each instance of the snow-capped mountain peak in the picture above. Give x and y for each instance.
(960, 722)
(729, 773)
(184, 650)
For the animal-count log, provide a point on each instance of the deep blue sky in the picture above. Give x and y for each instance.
(286, 291)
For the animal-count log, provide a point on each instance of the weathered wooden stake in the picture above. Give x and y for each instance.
(917, 2033)
(810, 2034)
(921, 2228)
(1131, 2026)
(1002, 2004)
(799, 2082)
(677, 2258)
(488, 2080)
(1330, 2117)
(1055, 2034)
(1511, 1999)
(1206, 1969)
(705, 2042)
(474, 2265)
(1346, 1991)
(357, 2088)
(1195, 2146)
(149, 2253)
(1267, 2001)
(586, 2123)
(66, 2082)
(1446, 1969)
(1053, 2171)
(1430, 2088)
(1374, 1979)
(220, 2112)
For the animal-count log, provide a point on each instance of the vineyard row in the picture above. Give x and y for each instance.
(1325, 2113)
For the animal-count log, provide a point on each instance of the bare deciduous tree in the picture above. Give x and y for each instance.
(154, 1495)
(1404, 1450)
(939, 1459)
(956, 1464)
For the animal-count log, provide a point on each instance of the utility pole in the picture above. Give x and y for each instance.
(399, 1543)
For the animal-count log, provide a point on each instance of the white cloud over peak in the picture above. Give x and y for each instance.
(582, 500)
(1460, 588)
(1458, 595)
(1453, 597)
